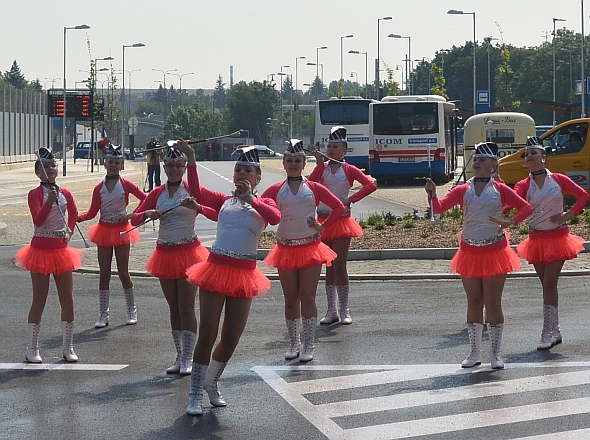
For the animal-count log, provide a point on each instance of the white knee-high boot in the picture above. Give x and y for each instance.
(546, 341)
(67, 329)
(475, 331)
(214, 372)
(294, 327)
(345, 317)
(175, 368)
(188, 340)
(32, 354)
(309, 327)
(195, 396)
(496, 341)
(131, 308)
(103, 307)
(331, 315)
(556, 336)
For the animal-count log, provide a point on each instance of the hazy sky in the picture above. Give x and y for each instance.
(257, 37)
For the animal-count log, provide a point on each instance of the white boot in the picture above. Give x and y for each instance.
(67, 329)
(175, 368)
(546, 341)
(188, 340)
(496, 341)
(214, 372)
(103, 305)
(475, 331)
(195, 396)
(131, 308)
(345, 317)
(32, 353)
(309, 326)
(294, 327)
(331, 315)
(556, 336)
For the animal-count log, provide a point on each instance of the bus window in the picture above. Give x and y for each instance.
(344, 112)
(501, 136)
(410, 118)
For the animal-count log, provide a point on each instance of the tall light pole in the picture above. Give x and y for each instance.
(378, 60)
(366, 68)
(356, 80)
(582, 61)
(563, 49)
(164, 73)
(317, 64)
(131, 155)
(554, 81)
(341, 68)
(129, 72)
(317, 77)
(408, 58)
(456, 12)
(180, 81)
(52, 81)
(488, 41)
(63, 134)
(296, 85)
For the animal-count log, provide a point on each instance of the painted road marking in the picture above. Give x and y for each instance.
(323, 415)
(66, 367)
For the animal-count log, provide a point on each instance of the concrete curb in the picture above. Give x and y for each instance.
(3, 227)
(373, 277)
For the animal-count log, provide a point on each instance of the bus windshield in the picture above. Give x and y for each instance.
(405, 118)
(344, 112)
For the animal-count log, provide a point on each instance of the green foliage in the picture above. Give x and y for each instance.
(390, 85)
(523, 230)
(219, 95)
(575, 220)
(425, 234)
(454, 213)
(438, 79)
(14, 77)
(250, 105)
(409, 224)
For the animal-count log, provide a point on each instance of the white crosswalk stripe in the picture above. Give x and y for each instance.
(545, 377)
(62, 366)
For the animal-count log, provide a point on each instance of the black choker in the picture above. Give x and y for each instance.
(174, 183)
(49, 185)
(295, 179)
(538, 173)
(112, 177)
(481, 179)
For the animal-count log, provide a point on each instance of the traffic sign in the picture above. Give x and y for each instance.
(483, 97)
(133, 122)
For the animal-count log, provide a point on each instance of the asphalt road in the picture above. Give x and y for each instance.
(394, 373)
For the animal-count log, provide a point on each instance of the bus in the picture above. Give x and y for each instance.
(413, 136)
(351, 113)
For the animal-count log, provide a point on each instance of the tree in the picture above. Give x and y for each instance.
(390, 85)
(219, 95)
(194, 122)
(14, 77)
(250, 105)
(439, 81)
(287, 91)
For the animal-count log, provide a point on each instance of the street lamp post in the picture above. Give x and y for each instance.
(554, 81)
(52, 81)
(296, 97)
(64, 146)
(129, 72)
(180, 81)
(378, 60)
(366, 68)
(341, 66)
(488, 41)
(563, 49)
(456, 12)
(164, 73)
(356, 79)
(131, 152)
(408, 58)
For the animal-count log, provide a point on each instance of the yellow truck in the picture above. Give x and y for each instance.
(568, 152)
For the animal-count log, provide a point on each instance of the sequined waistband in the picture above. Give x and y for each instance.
(484, 241)
(324, 214)
(185, 240)
(51, 234)
(112, 221)
(298, 241)
(231, 254)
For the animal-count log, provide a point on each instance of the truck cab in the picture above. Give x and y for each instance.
(568, 152)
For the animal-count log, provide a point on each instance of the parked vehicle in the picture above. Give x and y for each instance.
(509, 130)
(263, 151)
(568, 152)
(82, 151)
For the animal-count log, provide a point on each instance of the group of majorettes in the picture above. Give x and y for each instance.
(228, 276)
(485, 257)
